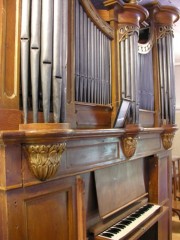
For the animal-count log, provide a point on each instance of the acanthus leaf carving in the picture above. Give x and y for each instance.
(44, 160)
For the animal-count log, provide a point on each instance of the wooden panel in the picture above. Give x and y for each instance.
(93, 116)
(9, 54)
(43, 208)
(112, 184)
(148, 143)
(10, 119)
(163, 228)
(44, 211)
(10, 171)
(92, 152)
(158, 170)
(163, 179)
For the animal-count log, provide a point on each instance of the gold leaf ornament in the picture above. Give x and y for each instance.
(129, 146)
(44, 160)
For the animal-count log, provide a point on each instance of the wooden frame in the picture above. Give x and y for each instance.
(122, 113)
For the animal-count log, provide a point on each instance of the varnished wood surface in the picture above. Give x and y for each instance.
(10, 119)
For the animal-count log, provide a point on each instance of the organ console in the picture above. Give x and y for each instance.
(67, 170)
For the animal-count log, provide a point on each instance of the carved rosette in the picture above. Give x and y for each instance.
(129, 146)
(44, 160)
(167, 140)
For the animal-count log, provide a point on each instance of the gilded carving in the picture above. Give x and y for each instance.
(129, 146)
(126, 31)
(167, 140)
(44, 160)
(164, 31)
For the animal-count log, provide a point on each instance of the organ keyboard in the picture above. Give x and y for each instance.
(124, 227)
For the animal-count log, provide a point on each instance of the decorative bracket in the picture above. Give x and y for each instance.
(167, 140)
(129, 144)
(167, 135)
(44, 160)
(129, 140)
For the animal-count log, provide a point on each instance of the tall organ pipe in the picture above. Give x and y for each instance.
(127, 68)
(135, 99)
(57, 59)
(64, 58)
(165, 79)
(129, 74)
(172, 79)
(161, 78)
(122, 61)
(170, 75)
(46, 54)
(166, 74)
(77, 49)
(92, 60)
(35, 54)
(25, 55)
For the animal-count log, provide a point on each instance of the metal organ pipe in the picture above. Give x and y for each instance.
(64, 58)
(161, 76)
(172, 75)
(46, 54)
(77, 49)
(89, 63)
(165, 79)
(135, 89)
(93, 61)
(127, 68)
(166, 74)
(129, 63)
(122, 61)
(46, 45)
(25, 32)
(48, 39)
(35, 54)
(57, 60)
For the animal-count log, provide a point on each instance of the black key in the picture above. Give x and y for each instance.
(135, 215)
(107, 234)
(120, 226)
(125, 222)
(131, 219)
(113, 230)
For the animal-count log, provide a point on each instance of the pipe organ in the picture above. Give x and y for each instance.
(68, 68)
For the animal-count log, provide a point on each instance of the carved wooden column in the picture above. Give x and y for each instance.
(164, 17)
(125, 19)
(129, 18)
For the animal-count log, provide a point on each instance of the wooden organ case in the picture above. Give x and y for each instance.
(66, 67)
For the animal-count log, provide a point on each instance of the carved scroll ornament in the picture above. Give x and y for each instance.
(126, 31)
(129, 146)
(164, 31)
(167, 140)
(44, 160)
